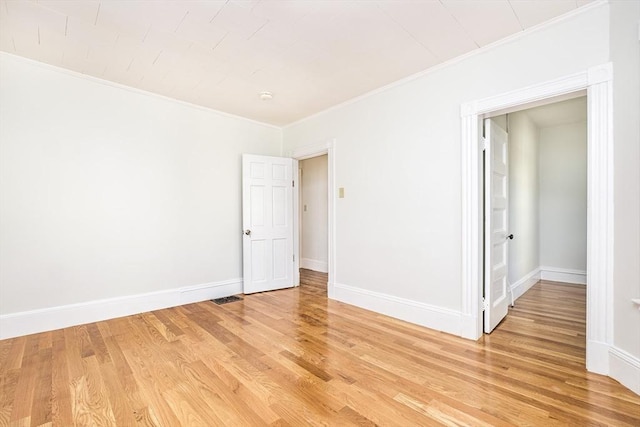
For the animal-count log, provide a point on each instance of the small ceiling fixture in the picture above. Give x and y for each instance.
(266, 96)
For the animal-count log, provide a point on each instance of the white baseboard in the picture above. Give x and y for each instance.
(438, 318)
(48, 319)
(314, 264)
(525, 283)
(565, 275)
(598, 357)
(625, 368)
(470, 328)
(207, 291)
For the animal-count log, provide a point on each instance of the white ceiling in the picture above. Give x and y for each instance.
(311, 54)
(559, 113)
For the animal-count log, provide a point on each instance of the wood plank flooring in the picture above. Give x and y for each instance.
(294, 358)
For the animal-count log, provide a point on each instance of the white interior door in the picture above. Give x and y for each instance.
(496, 235)
(267, 221)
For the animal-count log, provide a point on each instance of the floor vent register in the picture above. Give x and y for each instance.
(226, 300)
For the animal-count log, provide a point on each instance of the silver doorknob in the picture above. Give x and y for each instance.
(247, 232)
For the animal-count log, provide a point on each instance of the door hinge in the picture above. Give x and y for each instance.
(293, 183)
(485, 304)
(294, 258)
(483, 144)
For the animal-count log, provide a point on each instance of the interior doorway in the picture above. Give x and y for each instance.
(320, 252)
(545, 229)
(597, 83)
(313, 212)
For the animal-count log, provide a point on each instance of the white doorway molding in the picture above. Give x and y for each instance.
(307, 152)
(598, 83)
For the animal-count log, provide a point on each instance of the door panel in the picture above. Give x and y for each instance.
(496, 170)
(267, 217)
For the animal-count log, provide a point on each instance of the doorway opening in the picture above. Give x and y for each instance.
(542, 235)
(597, 81)
(313, 221)
(320, 155)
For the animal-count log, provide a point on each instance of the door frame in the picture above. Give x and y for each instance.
(307, 152)
(597, 81)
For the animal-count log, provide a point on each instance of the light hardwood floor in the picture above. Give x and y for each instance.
(295, 358)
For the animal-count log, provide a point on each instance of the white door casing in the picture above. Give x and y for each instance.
(267, 221)
(597, 81)
(496, 225)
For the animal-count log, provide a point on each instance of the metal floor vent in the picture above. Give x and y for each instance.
(225, 300)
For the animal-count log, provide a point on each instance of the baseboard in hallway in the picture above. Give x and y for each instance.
(564, 275)
(314, 264)
(551, 274)
(520, 287)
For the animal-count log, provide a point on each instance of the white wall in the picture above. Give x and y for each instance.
(563, 197)
(313, 236)
(107, 192)
(625, 55)
(397, 154)
(547, 202)
(524, 223)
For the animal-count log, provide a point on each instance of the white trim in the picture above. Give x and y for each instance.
(564, 275)
(625, 368)
(525, 283)
(110, 83)
(296, 223)
(47, 319)
(535, 93)
(313, 150)
(598, 82)
(597, 355)
(600, 209)
(636, 301)
(471, 227)
(480, 51)
(332, 225)
(327, 147)
(314, 264)
(438, 318)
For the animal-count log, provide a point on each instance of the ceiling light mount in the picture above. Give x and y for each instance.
(266, 96)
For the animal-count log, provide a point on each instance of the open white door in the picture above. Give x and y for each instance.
(267, 221)
(496, 235)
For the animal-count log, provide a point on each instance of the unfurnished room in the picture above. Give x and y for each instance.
(319, 212)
